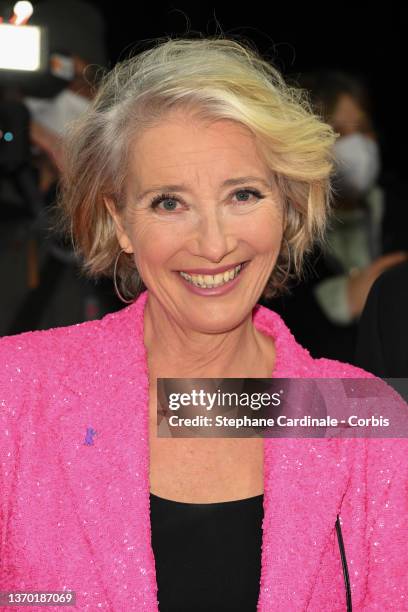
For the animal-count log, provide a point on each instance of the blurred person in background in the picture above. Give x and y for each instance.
(382, 342)
(76, 38)
(363, 236)
(77, 49)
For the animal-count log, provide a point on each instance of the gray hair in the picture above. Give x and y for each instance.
(220, 78)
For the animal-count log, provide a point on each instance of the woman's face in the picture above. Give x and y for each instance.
(199, 196)
(348, 117)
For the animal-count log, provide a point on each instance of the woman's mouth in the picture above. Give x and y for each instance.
(207, 281)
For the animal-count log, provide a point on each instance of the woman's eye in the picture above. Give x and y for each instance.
(169, 203)
(248, 194)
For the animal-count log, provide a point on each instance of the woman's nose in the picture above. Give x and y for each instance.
(214, 237)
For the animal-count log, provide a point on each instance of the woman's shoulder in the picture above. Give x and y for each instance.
(57, 338)
(31, 360)
(331, 368)
(31, 344)
(45, 352)
(67, 355)
(295, 360)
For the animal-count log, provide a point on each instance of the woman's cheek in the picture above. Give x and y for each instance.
(154, 246)
(263, 230)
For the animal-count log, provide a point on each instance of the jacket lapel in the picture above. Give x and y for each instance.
(103, 442)
(305, 481)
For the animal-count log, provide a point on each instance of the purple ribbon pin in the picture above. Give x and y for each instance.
(90, 432)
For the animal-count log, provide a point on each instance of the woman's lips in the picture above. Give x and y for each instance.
(214, 291)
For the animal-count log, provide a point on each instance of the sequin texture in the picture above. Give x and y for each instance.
(75, 516)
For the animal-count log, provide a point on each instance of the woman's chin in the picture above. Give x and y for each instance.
(214, 320)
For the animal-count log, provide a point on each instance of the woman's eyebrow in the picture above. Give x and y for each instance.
(180, 187)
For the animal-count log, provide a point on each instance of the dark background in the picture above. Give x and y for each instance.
(367, 41)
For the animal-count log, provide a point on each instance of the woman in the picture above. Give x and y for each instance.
(195, 159)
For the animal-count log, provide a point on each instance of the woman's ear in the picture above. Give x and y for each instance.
(121, 234)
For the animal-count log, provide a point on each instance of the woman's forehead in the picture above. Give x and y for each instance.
(179, 130)
(174, 148)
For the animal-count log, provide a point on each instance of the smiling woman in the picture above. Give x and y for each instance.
(162, 99)
(198, 179)
(194, 242)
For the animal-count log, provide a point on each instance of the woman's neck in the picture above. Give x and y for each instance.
(175, 352)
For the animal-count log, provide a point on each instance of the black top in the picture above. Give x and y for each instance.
(382, 346)
(208, 556)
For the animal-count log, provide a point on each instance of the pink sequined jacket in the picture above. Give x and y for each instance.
(75, 516)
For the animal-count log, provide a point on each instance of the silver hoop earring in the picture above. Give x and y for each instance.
(120, 296)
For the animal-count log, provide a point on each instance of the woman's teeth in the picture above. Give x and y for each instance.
(206, 281)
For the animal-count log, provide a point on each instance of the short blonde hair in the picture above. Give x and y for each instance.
(223, 79)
